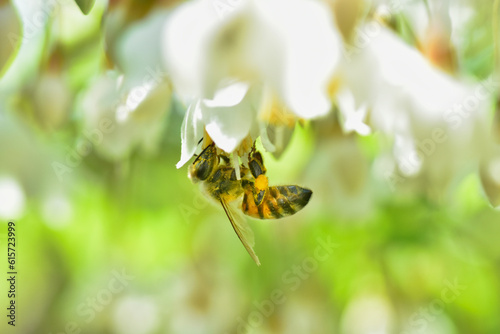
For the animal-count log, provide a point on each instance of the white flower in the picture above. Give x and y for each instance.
(134, 100)
(437, 122)
(228, 118)
(289, 49)
(134, 116)
(353, 117)
(137, 51)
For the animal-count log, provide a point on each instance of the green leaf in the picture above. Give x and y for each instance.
(85, 5)
(11, 30)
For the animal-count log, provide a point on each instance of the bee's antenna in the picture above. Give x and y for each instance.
(200, 141)
(225, 158)
(253, 150)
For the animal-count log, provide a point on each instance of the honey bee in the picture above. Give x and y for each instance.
(260, 201)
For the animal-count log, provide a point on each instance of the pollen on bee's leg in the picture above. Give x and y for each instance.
(261, 182)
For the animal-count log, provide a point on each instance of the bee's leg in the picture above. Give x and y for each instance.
(225, 158)
(199, 141)
(256, 165)
(253, 150)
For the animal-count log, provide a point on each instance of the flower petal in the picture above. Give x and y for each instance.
(185, 34)
(138, 51)
(190, 35)
(191, 132)
(246, 47)
(228, 123)
(353, 118)
(312, 51)
(228, 96)
(439, 123)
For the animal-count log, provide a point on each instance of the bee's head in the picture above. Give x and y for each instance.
(204, 164)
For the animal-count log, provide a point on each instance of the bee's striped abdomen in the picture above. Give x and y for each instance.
(269, 208)
(294, 197)
(278, 202)
(248, 205)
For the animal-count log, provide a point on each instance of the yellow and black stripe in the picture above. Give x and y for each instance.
(274, 202)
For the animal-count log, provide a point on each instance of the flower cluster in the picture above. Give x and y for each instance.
(249, 66)
(255, 64)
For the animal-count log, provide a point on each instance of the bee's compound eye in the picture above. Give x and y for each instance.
(192, 173)
(200, 170)
(203, 170)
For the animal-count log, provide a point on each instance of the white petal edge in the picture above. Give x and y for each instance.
(191, 132)
(229, 125)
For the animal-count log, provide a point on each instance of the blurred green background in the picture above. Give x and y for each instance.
(120, 241)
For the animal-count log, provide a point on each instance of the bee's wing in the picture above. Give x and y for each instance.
(240, 226)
